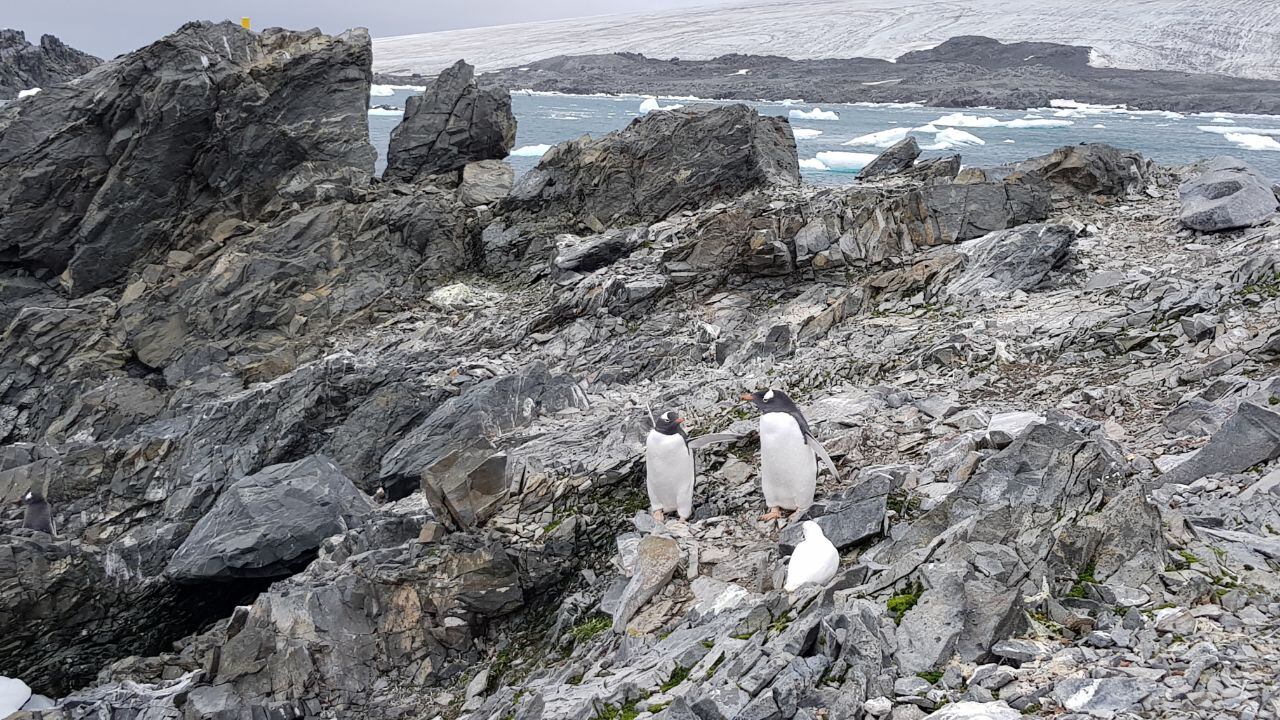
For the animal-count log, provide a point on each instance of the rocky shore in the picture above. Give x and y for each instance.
(967, 71)
(320, 444)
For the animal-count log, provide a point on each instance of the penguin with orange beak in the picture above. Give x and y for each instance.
(789, 454)
(669, 467)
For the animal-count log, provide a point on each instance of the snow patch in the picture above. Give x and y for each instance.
(884, 138)
(836, 161)
(28, 92)
(13, 695)
(814, 114)
(1250, 141)
(743, 71)
(805, 133)
(883, 82)
(530, 151)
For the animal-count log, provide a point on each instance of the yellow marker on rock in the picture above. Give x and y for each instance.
(244, 22)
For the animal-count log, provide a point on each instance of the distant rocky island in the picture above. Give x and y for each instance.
(314, 442)
(968, 71)
(24, 66)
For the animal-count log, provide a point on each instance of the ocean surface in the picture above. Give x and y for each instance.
(835, 141)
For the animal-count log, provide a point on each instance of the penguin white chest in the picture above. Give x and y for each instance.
(669, 473)
(788, 467)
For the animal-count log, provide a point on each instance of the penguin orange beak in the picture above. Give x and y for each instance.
(679, 421)
(747, 396)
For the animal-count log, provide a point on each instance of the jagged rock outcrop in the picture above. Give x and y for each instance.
(660, 163)
(897, 158)
(452, 123)
(1091, 169)
(1228, 194)
(88, 186)
(24, 66)
(1007, 260)
(270, 524)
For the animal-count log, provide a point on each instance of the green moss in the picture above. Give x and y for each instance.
(1031, 710)
(1188, 557)
(655, 709)
(715, 666)
(708, 644)
(742, 636)
(551, 526)
(1084, 577)
(590, 628)
(902, 503)
(677, 676)
(781, 624)
(899, 604)
(930, 676)
(619, 712)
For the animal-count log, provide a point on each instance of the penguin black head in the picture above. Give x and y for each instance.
(668, 423)
(33, 497)
(768, 401)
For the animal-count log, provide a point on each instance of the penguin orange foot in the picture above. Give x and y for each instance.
(659, 516)
(773, 514)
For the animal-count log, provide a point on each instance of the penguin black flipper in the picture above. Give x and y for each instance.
(821, 452)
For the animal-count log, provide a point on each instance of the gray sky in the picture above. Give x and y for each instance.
(110, 27)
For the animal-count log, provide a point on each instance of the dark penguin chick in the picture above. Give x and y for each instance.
(38, 515)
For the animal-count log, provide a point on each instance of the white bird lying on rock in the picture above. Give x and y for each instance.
(788, 454)
(815, 560)
(13, 695)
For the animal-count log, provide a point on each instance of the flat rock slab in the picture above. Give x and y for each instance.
(1229, 194)
(1104, 695)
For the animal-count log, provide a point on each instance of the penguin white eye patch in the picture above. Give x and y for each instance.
(768, 395)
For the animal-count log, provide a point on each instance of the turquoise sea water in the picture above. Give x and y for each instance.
(1006, 135)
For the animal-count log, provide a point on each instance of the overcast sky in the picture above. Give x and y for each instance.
(109, 27)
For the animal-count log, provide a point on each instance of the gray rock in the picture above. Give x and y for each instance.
(1017, 259)
(845, 522)
(690, 157)
(24, 66)
(1101, 695)
(656, 561)
(1228, 194)
(968, 710)
(934, 169)
(898, 157)
(268, 523)
(466, 486)
(1091, 168)
(173, 139)
(1250, 436)
(485, 182)
(594, 252)
(452, 123)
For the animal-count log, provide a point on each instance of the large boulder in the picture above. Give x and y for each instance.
(897, 158)
(97, 174)
(1091, 169)
(1015, 259)
(660, 163)
(452, 123)
(1230, 193)
(24, 66)
(267, 524)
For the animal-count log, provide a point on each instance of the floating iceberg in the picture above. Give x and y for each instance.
(967, 120)
(1060, 103)
(650, 104)
(1223, 120)
(530, 151)
(381, 110)
(929, 128)
(814, 114)
(884, 138)
(812, 164)
(743, 71)
(805, 133)
(28, 92)
(381, 90)
(1008, 141)
(1037, 123)
(1238, 130)
(1250, 141)
(951, 138)
(844, 161)
(789, 101)
(1099, 126)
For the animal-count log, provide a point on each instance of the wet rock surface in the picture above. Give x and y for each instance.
(1050, 403)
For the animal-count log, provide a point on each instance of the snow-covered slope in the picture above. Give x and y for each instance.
(1235, 37)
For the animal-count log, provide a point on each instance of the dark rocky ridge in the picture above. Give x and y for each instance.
(964, 71)
(1011, 366)
(24, 66)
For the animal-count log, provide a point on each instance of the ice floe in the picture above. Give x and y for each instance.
(1238, 130)
(13, 695)
(386, 111)
(530, 151)
(805, 133)
(984, 121)
(789, 101)
(836, 161)
(1098, 126)
(376, 90)
(951, 138)
(1037, 123)
(650, 104)
(812, 164)
(1225, 121)
(1251, 141)
(884, 138)
(814, 114)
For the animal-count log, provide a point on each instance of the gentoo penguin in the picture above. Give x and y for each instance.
(815, 559)
(380, 495)
(37, 515)
(668, 464)
(788, 466)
